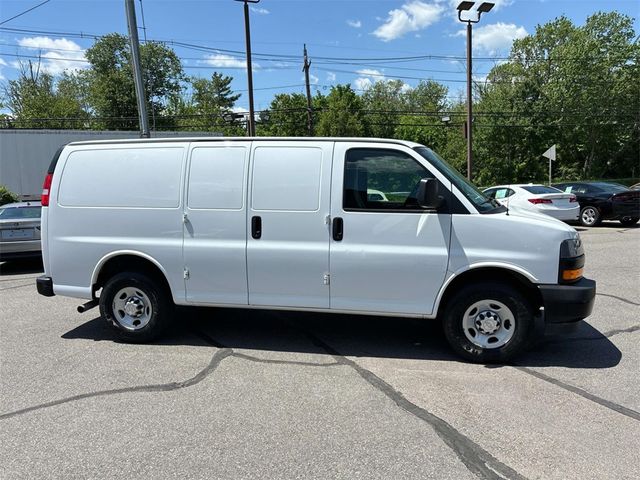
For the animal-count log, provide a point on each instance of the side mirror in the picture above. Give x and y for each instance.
(427, 195)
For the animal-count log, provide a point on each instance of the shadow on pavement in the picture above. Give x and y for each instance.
(22, 266)
(350, 335)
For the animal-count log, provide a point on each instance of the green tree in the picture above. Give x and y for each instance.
(342, 116)
(384, 102)
(209, 108)
(111, 90)
(573, 86)
(287, 115)
(36, 102)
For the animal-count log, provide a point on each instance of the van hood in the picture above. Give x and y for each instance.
(545, 221)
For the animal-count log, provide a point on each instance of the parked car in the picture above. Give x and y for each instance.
(374, 195)
(604, 201)
(537, 199)
(635, 186)
(276, 223)
(20, 230)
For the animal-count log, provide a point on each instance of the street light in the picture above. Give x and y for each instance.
(251, 126)
(483, 8)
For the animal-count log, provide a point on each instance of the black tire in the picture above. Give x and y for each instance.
(523, 336)
(158, 312)
(590, 216)
(629, 221)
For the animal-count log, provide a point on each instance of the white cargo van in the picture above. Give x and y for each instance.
(138, 226)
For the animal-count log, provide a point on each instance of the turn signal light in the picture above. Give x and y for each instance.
(570, 275)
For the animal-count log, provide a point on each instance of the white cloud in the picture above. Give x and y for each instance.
(2, 64)
(362, 83)
(221, 60)
(57, 54)
(260, 11)
(331, 77)
(369, 72)
(368, 77)
(313, 79)
(354, 23)
(412, 16)
(495, 38)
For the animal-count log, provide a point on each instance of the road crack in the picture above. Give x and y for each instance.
(473, 456)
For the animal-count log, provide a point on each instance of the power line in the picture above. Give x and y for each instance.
(24, 12)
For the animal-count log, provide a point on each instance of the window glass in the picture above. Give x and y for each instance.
(19, 212)
(287, 178)
(490, 193)
(468, 189)
(381, 179)
(216, 178)
(122, 177)
(503, 193)
(540, 189)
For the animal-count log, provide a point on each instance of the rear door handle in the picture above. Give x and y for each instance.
(337, 229)
(256, 227)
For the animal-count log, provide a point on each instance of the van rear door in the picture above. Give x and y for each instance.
(288, 241)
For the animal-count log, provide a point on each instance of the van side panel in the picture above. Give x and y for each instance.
(215, 229)
(108, 198)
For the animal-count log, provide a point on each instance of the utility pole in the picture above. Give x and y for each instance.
(251, 125)
(137, 71)
(305, 68)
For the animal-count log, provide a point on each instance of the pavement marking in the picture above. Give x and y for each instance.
(583, 393)
(477, 460)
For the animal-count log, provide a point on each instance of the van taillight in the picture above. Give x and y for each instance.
(46, 186)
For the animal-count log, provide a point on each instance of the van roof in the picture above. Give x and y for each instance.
(245, 139)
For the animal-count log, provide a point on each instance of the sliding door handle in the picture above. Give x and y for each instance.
(337, 229)
(256, 227)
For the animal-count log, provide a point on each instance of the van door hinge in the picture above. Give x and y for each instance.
(185, 274)
(326, 279)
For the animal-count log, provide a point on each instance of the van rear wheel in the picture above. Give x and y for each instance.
(489, 323)
(136, 306)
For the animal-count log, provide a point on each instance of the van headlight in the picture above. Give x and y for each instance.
(571, 265)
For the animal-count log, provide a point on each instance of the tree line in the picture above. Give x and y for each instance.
(574, 86)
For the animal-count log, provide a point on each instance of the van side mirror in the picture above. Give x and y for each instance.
(427, 195)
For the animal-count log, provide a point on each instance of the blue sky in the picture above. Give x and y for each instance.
(349, 41)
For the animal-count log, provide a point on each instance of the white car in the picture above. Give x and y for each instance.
(538, 199)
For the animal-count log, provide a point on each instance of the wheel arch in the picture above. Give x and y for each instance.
(127, 260)
(511, 275)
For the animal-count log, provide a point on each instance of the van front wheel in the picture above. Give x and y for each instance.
(488, 323)
(134, 304)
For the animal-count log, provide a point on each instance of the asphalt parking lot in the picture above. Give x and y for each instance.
(263, 394)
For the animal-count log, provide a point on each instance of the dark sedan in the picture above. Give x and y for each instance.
(604, 201)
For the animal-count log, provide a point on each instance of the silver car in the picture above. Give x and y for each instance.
(20, 230)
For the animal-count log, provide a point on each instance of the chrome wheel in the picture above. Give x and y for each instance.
(132, 308)
(589, 216)
(488, 324)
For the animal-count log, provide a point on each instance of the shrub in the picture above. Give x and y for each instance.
(7, 196)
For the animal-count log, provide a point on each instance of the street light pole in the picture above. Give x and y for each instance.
(483, 8)
(251, 125)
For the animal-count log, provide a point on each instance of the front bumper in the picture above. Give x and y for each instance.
(45, 286)
(564, 304)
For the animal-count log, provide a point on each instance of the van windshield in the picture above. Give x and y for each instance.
(479, 200)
